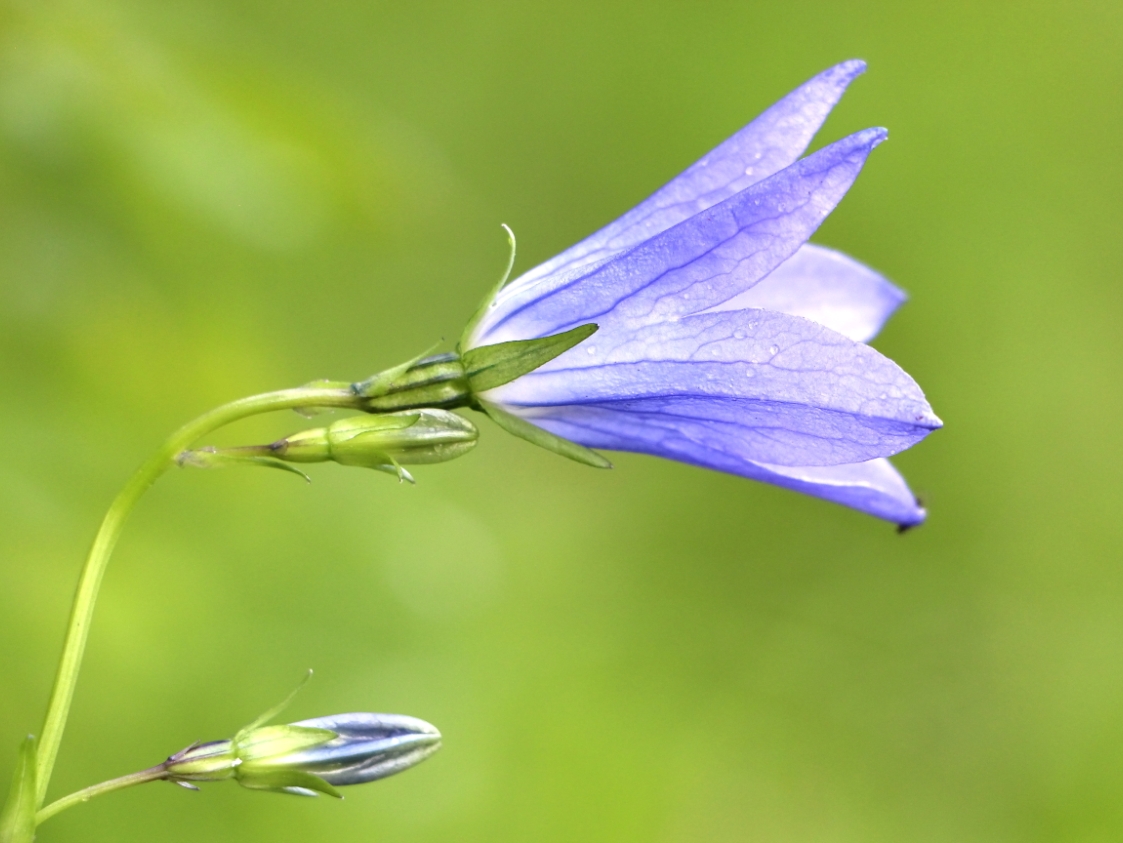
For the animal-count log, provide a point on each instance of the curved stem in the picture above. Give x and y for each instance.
(87, 793)
(83, 606)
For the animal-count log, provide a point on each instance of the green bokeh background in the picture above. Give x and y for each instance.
(204, 200)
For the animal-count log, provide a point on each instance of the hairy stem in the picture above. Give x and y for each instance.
(87, 793)
(83, 607)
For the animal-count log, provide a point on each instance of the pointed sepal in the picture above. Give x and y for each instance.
(489, 299)
(490, 366)
(265, 742)
(274, 711)
(211, 457)
(287, 781)
(378, 385)
(543, 438)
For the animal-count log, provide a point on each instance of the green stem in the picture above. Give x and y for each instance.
(85, 794)
(83, 608)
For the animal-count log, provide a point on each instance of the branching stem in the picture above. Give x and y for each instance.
(83, 607)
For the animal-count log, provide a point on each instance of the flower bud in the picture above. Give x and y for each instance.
(365, 747)
(382, 442)
(312, 756)
(413, 437)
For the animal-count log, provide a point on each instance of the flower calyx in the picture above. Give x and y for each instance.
(490, 366)
(463, 379)
(457, 379)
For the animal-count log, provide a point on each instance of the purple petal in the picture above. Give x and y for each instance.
(698, 264)
(765, 386)
(827, 287)
(771, 142)
(874, 487)
(367, 747)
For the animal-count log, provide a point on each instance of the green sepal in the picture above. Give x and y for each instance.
(273, 462)
(210, 762)
(395, 468)
(274, 711)
(17, 822)
(378, 385)
(490, 366)
(341, 433)
(387, 465)
(486, 303)
(543, 438)
(282, 781)
(257, 746)
(211, 457)
(358, 427)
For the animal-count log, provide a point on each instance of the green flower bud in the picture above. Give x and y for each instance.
(412, 437)
(382, 442)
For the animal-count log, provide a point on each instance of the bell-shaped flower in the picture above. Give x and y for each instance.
(722, 338)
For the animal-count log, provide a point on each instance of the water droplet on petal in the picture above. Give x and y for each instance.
(750, 373)
(738, 335)
(774, 349)
(591, 350)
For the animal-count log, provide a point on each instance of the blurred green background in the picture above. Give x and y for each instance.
(207, 199)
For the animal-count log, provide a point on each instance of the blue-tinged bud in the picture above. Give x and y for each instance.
(312, 756)
(366, 746)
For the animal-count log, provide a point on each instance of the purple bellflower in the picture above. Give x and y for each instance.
(724, 339)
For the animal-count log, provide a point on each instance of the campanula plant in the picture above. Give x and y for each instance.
(701, 326)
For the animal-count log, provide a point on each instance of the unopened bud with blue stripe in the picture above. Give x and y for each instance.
(310, 757)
